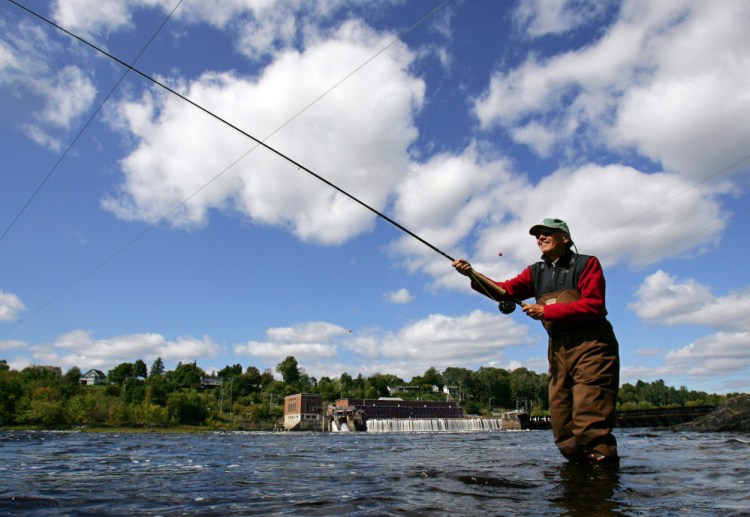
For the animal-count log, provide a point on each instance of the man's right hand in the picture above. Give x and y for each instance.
(463, 267)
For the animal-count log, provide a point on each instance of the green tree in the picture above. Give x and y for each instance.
(267, 378)
(40, 375)
(471, 407)
(255, 377)
(147, 414)
(118, 413)
(11, 391)
(43, 407)
(359, 387)
(134, 390)
(494, 386)
(187, 407)
(187, 375)
(156, 391)
(231, 371)
(524, 384)
(257, 413)
(247, 383)
(329, 389)
(380, 382)
(306, 383)
(289, 370)
(157, 369)
(140, 369)
(460, 378)
(433, 377)
(73, 376)
(120, 373)
(346, 383)
(371, 392)
(85, 409)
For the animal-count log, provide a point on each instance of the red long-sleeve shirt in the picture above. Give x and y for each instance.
(590, 307)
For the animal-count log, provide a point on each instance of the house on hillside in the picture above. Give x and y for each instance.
(212, 382)
(93, 377)
(451, 393)
(394, 390)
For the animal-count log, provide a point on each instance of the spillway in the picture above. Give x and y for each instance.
(431, 425)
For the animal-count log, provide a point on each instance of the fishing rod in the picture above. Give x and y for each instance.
(507, 305)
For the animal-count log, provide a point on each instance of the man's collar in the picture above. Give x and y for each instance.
(564, 259)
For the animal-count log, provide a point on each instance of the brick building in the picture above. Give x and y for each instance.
(303, 412)
(397, 408)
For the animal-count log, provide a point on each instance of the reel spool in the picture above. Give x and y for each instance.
(507, 306)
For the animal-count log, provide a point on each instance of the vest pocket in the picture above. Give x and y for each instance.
(559, 328)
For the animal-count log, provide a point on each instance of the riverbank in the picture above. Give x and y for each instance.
(181, 429)
(732, 415)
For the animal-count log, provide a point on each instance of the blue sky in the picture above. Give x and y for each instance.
(164, 233)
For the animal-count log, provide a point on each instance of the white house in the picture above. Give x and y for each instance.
(93, 377)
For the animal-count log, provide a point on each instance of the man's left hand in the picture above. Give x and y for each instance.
(534, 310)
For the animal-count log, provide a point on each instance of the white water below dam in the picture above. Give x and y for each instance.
(428, 425)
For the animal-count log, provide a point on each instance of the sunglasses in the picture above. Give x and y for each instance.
(546, 233)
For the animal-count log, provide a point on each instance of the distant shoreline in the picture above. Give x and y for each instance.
(182, 429)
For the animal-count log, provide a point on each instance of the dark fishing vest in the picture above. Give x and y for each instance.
(558, 283)
(549, 277)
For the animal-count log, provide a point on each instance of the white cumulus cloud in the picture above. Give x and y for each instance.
(80, 348)
(399, 296)
(663, 299)
(310, 340)
(666, 79)
(10, 306)
(361, 130)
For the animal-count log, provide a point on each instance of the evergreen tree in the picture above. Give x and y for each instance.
(157, 369)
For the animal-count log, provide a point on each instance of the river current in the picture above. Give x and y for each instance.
(661, 473)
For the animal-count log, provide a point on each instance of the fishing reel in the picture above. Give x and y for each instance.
(507, 306)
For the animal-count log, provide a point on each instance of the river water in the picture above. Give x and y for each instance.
(661, 473)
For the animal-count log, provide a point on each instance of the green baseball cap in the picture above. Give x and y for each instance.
(550, 223)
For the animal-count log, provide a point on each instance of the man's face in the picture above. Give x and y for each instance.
(552, 243)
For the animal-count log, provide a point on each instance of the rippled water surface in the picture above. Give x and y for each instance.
(485, 473)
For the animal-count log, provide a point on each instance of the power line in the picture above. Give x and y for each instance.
(697, 231)
(238, 129)
(670, 198)
(261, 143)
(258, 142)
(85, 125)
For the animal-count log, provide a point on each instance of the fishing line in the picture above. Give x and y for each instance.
(85, 126)
(284, 156)
(236, 128)
(693, 233)
(670, 198)
(258, 143)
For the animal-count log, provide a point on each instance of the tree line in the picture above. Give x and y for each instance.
(246, 398)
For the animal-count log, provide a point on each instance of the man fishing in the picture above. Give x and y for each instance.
(584, 364)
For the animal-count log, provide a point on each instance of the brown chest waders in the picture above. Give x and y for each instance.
(583, 382)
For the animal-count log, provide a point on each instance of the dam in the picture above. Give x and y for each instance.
(388, 414)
